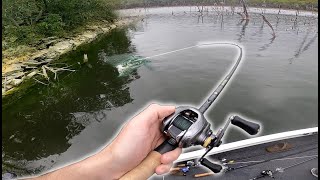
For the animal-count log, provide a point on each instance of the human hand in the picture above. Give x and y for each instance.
(137, 138)
(140, 136)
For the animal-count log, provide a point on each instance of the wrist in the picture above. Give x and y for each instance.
(102, 165)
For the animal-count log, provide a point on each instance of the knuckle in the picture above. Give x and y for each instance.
(153, 105)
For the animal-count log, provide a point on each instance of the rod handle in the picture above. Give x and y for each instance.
(145, 169)
(250, 127)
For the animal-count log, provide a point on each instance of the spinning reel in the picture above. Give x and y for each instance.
(189, 127)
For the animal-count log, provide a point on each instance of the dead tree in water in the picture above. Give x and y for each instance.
(200, 10)
(277, 16)
(265, 19)
(232, 9)
(245, 12)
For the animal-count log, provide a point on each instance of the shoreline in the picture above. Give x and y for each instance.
(251, 9)
(17, 69)
(14, 68)
(268, 6)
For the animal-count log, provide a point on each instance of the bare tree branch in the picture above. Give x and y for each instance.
(265, 19)
(245, 12)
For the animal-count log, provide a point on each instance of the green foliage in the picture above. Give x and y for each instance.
(51, 26)
(24, 21)
(23, 34)
(77, 12)
(286, 3)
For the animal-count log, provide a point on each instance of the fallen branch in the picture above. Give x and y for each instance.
(5, 83)
(40, 82)
(264, 18)
(44, 72)
(55, 71)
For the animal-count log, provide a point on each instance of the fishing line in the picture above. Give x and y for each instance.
(227, 78)
(198, 45)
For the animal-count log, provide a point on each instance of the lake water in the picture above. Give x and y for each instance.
(276, 83)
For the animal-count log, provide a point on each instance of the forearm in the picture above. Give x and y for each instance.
(96, 167)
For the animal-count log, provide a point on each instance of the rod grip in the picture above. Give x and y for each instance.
(145, 169)
(250, 127)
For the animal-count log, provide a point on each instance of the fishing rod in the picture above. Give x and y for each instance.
(187, 126)
(219, 89)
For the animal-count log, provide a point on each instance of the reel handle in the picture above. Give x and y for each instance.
(250, 127)
(147, 167)
(216, 168)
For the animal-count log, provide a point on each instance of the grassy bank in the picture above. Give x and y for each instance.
(36, 32)
(288, 4)
(27, 22)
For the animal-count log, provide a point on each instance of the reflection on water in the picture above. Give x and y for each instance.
(42, 122)
(265, 46)
(303, 45)
(243, 29)
(49, 126)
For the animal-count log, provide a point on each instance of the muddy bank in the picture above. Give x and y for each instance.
(16, 69)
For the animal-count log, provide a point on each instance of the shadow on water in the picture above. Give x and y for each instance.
(53, 114)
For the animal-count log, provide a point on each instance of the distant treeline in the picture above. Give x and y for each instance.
(25, 21)
(288, 4)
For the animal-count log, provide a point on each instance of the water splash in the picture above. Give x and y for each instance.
(125, 63)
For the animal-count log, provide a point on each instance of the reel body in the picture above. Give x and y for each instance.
(187, 127)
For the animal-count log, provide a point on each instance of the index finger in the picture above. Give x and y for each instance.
(160, 111)
(155, 112)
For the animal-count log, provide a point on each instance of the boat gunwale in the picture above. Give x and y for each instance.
(248, 143)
